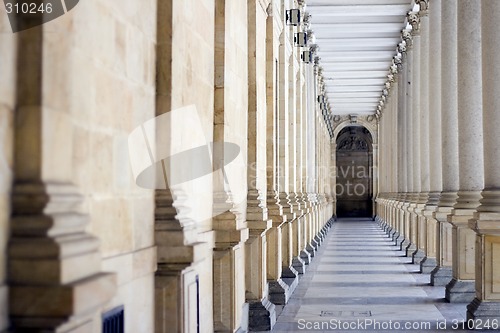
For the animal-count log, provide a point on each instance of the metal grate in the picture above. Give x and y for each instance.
(113, 321)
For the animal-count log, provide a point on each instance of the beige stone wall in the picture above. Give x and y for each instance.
(7, 102)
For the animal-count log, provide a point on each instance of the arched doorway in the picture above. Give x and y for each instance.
(354, 186)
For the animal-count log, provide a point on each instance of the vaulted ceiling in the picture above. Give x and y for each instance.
(357, 40)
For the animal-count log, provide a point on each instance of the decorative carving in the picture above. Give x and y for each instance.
(337, 118)
(424, 6)
(397, 61)
(353, 118)
(370, 118)
(307, 19)
(414, 20)
(393, 71)
(407, 37)
(314, 47)
(402, 47)
(353, 143)
(390, 77)
(385, 92)
(269, 9)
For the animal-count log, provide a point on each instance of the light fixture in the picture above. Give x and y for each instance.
(306, 57)
(300, 39)
(293, 17)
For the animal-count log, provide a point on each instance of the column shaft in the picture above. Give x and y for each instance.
(486, 223)
(470, 153)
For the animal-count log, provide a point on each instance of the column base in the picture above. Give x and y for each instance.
(460, 291)
(305, 256)
(291, 278)
(394, 234)
(418, 256)
(427, 265)
(410, 249)
(311, 250)
(441, 276)
(261, 315)
(478, 309)
(315, 243)
(279, 292)
(299, 265)
(399, 241)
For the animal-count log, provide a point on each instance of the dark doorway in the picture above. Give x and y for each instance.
(354, 158)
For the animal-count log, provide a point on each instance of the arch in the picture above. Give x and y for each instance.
(371, 126)
(354, 163)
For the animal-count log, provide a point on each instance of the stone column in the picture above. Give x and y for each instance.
(449, 143)
(415, 205)
(288, 274)
(232, 243)
(400, 67)
(470, 154)
(408, 74)
(278, 289)
(297, 262)
(262, 315)
(486, 222)
(423, 114)
(54, 264)
(433, 89)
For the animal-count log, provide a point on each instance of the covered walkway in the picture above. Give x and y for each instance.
(361, 279)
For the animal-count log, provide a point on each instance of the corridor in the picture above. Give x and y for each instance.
(361, 279)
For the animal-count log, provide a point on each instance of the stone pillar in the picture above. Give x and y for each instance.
(449, 142)
(423, 114)
(470, 154)
(433, 89)
(289, 274)
(414, 100)
(262, 314)
(486, 222)
(408, 74)
(54, 264)
(232, 256)
(400, 66)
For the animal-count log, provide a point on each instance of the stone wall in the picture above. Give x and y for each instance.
(7, 102)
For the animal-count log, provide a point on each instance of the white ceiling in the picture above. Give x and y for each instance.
(357, 40)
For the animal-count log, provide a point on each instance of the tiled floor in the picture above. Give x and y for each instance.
(359, 281)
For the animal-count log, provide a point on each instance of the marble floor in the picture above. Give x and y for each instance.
(359, 281)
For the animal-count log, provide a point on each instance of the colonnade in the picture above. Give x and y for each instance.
(443, 205)
(263, 245)
(79, 220)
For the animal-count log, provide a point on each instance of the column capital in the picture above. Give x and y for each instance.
(424, 7)
(402, 47)
(414, 20)
(269, 9)
(407, 37)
